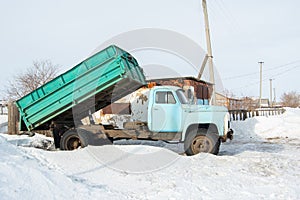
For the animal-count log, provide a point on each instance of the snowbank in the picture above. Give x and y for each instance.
(262, 162)
(3, 123)
(24, 177)
(281, 126)
(3, 119)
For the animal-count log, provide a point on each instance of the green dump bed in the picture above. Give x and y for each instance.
(91, 85)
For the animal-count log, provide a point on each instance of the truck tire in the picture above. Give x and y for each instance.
(201, 141)
(72, 140)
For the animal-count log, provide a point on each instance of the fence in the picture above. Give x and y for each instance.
(240, 115)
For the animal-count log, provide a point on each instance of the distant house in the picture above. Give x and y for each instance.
(229, 102)
(245, 103)
(265, 103)
(253, 103)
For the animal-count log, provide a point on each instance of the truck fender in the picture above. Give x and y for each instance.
(211, 128)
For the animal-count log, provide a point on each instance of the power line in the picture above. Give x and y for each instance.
(255, 73)
(212, 13)
(285, 71)
(266, 79)
(228, 16)
(281, 66)
(240, 76)
(234, 19)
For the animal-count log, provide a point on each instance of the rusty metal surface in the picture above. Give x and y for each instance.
(117, 108)
(202, 90)
(142, 134)
(133, 107)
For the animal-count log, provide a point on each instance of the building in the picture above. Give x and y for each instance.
(200, 90)
(229, 102)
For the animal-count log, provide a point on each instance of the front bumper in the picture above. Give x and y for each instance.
(229, 135)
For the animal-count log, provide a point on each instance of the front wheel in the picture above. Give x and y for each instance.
(71, 140)
(201, 141)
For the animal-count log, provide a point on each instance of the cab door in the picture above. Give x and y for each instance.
(166, 112)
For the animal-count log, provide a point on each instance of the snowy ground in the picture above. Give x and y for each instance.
(262, 162)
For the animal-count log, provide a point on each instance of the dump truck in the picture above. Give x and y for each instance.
(103, 79)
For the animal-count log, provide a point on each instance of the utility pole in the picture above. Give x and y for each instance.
(209, 53)
(274, 96)
(260, 86)
(271, 100)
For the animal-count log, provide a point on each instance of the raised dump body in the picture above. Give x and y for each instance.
(89, 86)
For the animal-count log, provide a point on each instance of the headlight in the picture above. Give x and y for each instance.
(226, 123)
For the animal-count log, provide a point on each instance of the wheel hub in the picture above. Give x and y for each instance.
(201, 144)
(73, 143)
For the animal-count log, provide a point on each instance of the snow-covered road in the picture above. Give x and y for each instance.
(262, 162)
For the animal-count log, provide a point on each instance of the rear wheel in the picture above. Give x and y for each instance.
(71, 140)
(201, 141)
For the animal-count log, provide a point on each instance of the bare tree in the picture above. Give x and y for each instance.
(38, 74)
(290, 99)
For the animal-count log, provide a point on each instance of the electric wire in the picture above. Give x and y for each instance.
(266, 79)
(266, 70)
(231, 21)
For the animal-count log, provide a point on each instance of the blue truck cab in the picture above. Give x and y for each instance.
(201, 127)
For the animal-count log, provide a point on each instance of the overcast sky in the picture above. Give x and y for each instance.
(243, 33)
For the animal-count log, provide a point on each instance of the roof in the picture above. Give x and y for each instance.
(184, 78)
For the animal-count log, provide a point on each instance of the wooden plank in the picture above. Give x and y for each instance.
(13, 119)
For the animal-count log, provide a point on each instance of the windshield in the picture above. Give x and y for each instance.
(181, 97)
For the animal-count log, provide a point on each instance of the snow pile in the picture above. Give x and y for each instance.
(3, 123)
(22, 176)
(281, 126)
(3, 119)
(36, 140)
(262, 162)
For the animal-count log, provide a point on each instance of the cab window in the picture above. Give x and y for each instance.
(164, 98)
